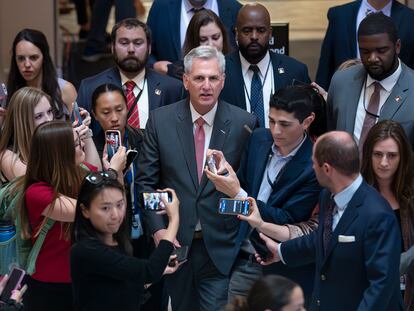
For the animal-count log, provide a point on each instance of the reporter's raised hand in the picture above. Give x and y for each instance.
(118, 160)
(273, 248)
(219, 159)
(229, 184)
(86, 117)
(254, 219)
(172, 209)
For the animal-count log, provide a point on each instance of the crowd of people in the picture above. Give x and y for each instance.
(326, 167)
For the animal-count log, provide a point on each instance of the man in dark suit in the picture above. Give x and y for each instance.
(168, 20)
(173, 155)
(276, 169)
(340, 43)
(253, 73)
(131, 46)
(381, 88)
(356, 247)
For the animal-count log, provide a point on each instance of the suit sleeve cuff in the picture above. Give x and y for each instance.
(279, 251)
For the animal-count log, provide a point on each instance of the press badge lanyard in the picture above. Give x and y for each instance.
(129, 177)
(263, 84)
(279, 174)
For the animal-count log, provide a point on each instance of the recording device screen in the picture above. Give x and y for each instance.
(234, 207)
(113, 142)
(76, 116)
(152, 200)
(3, 95)
(15, 278)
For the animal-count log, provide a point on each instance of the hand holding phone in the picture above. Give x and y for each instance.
(259, 245)
(13, 283)
(181, 253)
(75, 116)
(131, 155)
(113, 142)
(234, 207)
(153, 202)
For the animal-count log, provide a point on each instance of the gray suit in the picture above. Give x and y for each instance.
(168, 160)
(344, 93)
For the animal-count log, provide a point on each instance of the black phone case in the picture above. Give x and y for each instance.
(259, 245)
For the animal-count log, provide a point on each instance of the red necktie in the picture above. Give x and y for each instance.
(370, 119)
(199, 140)
(133, 119)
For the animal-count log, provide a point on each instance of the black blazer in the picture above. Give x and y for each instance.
(167, 159)
(340, 43)
(233, 91)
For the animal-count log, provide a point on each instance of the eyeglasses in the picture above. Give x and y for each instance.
(96, 178)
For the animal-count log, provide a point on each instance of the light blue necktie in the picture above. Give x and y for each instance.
(256, 95)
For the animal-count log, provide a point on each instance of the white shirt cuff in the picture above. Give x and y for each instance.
(241, 194)
(279, 251)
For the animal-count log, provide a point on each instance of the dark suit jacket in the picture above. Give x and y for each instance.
(233, 91)
(164, 21)
(340, 43)
(292, 200)
(343, 101)
(357, 275)
(167, 159)
(171, 90)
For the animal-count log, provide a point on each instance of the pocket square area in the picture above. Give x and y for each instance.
(346, 238)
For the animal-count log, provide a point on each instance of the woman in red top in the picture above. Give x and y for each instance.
(51, 184)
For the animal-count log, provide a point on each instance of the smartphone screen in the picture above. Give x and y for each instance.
(3, 95)
(113, 142)
(131, 156)
(15, 278)
(75, 115)
(234, 207)
(259, 245)
(152, 200)
(211, 164)
(181, 253)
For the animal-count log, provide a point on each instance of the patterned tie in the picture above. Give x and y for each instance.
(256, 94)
(327, 223)
(133, 119)
(199, 140)
(370, 118)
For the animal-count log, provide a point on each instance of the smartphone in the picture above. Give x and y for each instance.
(3, 95)
(15, 279)
(234, 207)
(113, 142)
(131, 155)
(181, 253)
(211, 164)
(259, 245)
(152, 200)
(300, 83)
(75, 115)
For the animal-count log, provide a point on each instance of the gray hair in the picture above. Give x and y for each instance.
(204, 52)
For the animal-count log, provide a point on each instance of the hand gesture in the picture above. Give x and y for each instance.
(254, 219)
(273, 248)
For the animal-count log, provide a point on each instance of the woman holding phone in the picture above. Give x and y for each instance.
(105, 275)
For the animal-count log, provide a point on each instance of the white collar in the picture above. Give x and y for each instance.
(138, 79)
(386, 10)
(263, 64)
(389, 82)
(208, 117)
(291, 154)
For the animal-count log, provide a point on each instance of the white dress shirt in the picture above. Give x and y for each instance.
(266, 75)
(187, 14)
(143, 105)
(366, 9)
(366, 92)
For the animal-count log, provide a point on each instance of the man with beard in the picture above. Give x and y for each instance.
(145, 89)
(253, 73)
(382, 87)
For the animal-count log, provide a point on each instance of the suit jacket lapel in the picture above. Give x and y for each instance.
(114, 76)
(175, 15)
(221, 129)
(154, 92)
(262, 159)
(185, 134)
(354, 93)
(397, 97)
(397, 13)
(278, 78)
(352, 36)
(237, 82)
(349, 215)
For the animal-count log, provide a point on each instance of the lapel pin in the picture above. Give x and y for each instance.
(157, 92)
(223, 131)
(281, 70)
(397, 98)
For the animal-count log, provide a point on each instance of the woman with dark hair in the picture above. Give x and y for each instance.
(387, 165)
(50, 188)
(31, 65)
(270, 293)
(105, 275)
(205, 28)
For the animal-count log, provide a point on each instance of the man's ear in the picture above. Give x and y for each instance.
(308, 120)
(398, 47)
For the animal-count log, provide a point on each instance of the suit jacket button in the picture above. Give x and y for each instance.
(318, 303)
(323, 277)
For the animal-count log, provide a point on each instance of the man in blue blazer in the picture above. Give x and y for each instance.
(276, 169)
(165, 17)
(253, 32)
(356, 248)
(340, 43)
(131, 45)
